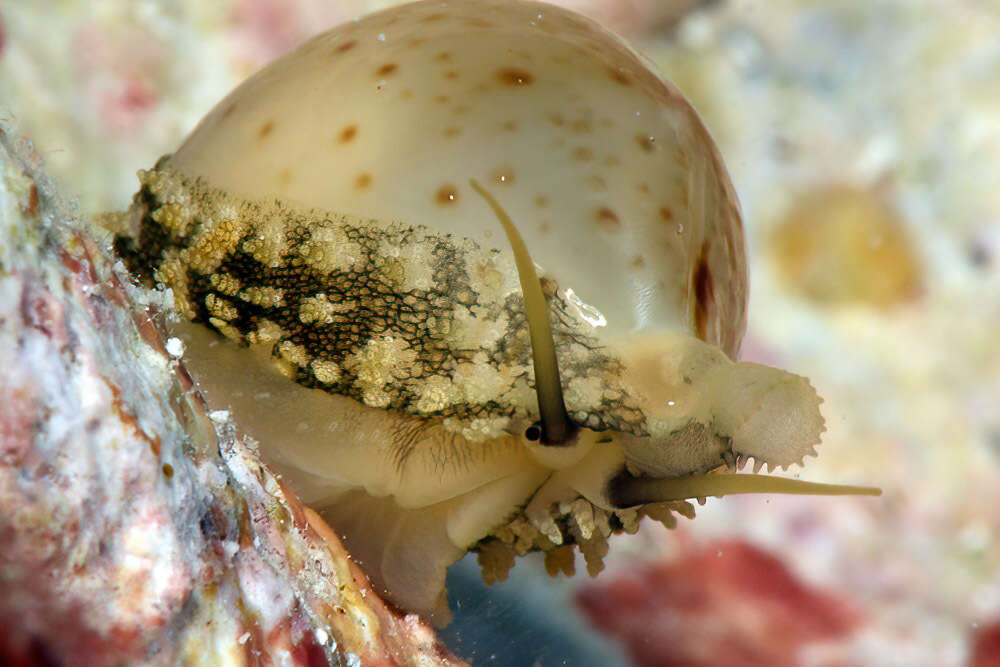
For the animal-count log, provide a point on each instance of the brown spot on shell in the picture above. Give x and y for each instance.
(406, 94)
(582, 126)
(346, 46)
(513, 76)
(265, 130)
(451, 74)
(509, 126)
(446, 194)
(443, 57)
(451, 132)
(666, 214)
(363, 181)
(611, 161)
(229, 109)
(702, 285)
(582, 154)
(557, 119)
(478, 22)
(431, 18)
(348, 134)
(461, 109)
(168, 470)
(646, 142)
(386, 69)
(541, 201)
(607, 219)
(285, 176)
(504, 174)
(644, 188)
(638, 261)
(442, 99)
(620, 76)
(544, 227)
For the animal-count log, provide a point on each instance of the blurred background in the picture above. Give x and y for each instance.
(864, 140)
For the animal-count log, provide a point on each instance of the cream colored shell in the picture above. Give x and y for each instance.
(614, 182)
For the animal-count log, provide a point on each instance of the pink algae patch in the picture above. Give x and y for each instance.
(126, 106)
(727, 604)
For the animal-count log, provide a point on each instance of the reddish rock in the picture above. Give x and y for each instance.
(729, 603)
(986, 646)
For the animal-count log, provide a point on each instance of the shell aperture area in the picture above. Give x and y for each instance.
(352, 300)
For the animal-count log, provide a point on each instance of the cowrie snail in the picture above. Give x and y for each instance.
(350, 239)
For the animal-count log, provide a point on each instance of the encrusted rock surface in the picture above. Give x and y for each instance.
(136, 529)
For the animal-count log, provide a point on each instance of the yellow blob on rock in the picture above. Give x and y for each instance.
(845, 245)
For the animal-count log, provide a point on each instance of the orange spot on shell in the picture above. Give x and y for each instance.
(386, 69)
(509, 126)
(451, 132)
(363, 181)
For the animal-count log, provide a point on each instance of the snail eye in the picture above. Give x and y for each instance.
(533, 433)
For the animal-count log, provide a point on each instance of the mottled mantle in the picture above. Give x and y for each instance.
(395, 316)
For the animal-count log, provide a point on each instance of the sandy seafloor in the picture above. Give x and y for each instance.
(899, 100)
